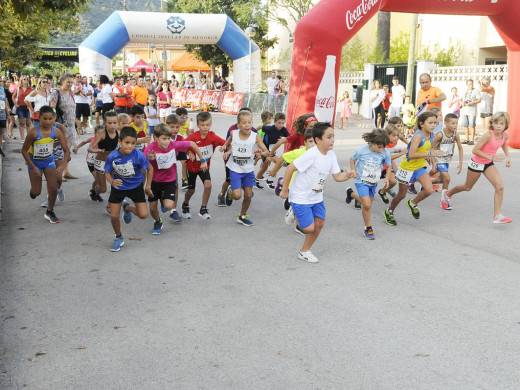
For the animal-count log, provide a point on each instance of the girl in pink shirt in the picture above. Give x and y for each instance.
(482, 161)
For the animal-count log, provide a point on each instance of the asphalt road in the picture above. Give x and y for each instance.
(210, 304)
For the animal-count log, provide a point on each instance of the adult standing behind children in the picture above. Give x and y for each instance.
(487, 95)
(377, 94)
(398, 95)
(468, 112)
(432, 96)
(140, 93)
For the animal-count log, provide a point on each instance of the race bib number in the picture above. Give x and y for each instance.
(42, 151)
(403, 176)
(166, 160)
(271, 147)
(242, 151)
(476, 166)
(206, 151)
(371, 174)
(124, 170)
(2, 104)
(447, 149)
(91, 158)
(319, 182)
(140, 146)
(99, 165)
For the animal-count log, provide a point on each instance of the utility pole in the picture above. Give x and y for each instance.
(165, 63)
(124, 51)
(411, 57)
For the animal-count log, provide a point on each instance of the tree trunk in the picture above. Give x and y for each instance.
(383, 33)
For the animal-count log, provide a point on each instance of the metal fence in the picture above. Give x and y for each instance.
(259, 102)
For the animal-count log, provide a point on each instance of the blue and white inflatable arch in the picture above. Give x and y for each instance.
(96, 52)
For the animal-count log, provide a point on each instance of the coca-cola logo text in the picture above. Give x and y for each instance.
(325, 102)
(357, 13)
(211, 97)
(231, 102)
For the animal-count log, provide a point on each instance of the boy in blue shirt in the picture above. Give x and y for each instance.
(368, 161)
(124, 170)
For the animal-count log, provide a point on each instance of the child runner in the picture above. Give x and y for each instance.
(123, 120)
(164, 101)
(140, 126)
(225, 198)
(207, 141)
(446, 140)
(482, 161)
(367, 162)
(182, 113)
(297, 138)
(266, 117)
(173, 121)
(91, 159)
(152, 116)
(288, 158)
(37, 150)
(244, 143)
(306, 195)
(413, 167)
(162, 154)
(392, 133)
(105, 142)
(124, 171)
(271, 137)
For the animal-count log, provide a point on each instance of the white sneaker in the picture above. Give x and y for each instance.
(61, 195)
(289, 216)
(501, 219)
(45, 204)
(204, 214)
(307, 256)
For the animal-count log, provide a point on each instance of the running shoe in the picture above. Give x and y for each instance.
(383, 196)
(186, 211)
(107, 209)
(289, 216)
(501, 219)
(229, 196)
(349, 198)
(184, 185)
(163, 209)
(414, 209)
(307, 256)
(117, 244)
(279, 186)
(298, 229)
(127, 215)
(175, 216)
(411, 189)
(445, 200)
(221, 201)
(204, 213)
(157, 226)
(51, 217)
(270, 183)
(258, 185)
(369, 233)
(391, 192)
(357, 205)
(32, 195)
(61, 195)
(2, 152)
(92, 195)
(389, 217)
(244, 220)
(45, 204)
(286, 204)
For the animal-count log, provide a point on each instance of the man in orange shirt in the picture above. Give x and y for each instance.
(431, 95)
(140, 93)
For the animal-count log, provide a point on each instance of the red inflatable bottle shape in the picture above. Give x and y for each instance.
(326, 95)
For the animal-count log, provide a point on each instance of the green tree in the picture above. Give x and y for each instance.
(399, 48)
(353, 55)
(24, 9)
(244, 13)
(20, 40)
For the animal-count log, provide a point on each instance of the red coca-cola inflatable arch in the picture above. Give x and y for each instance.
(321, 34)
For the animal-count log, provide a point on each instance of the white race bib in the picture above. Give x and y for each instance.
(206, 151)
(242, 151)
(91, 158)
(99, 165)
(319, 182)
(403, 176)
(447, 149)
(124, 170)
(165, 160)
(140, 146)
(371, 174)
(42, 151)
(476, 166)
(2, 104)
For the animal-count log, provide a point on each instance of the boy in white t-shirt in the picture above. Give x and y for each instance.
(306, 194)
